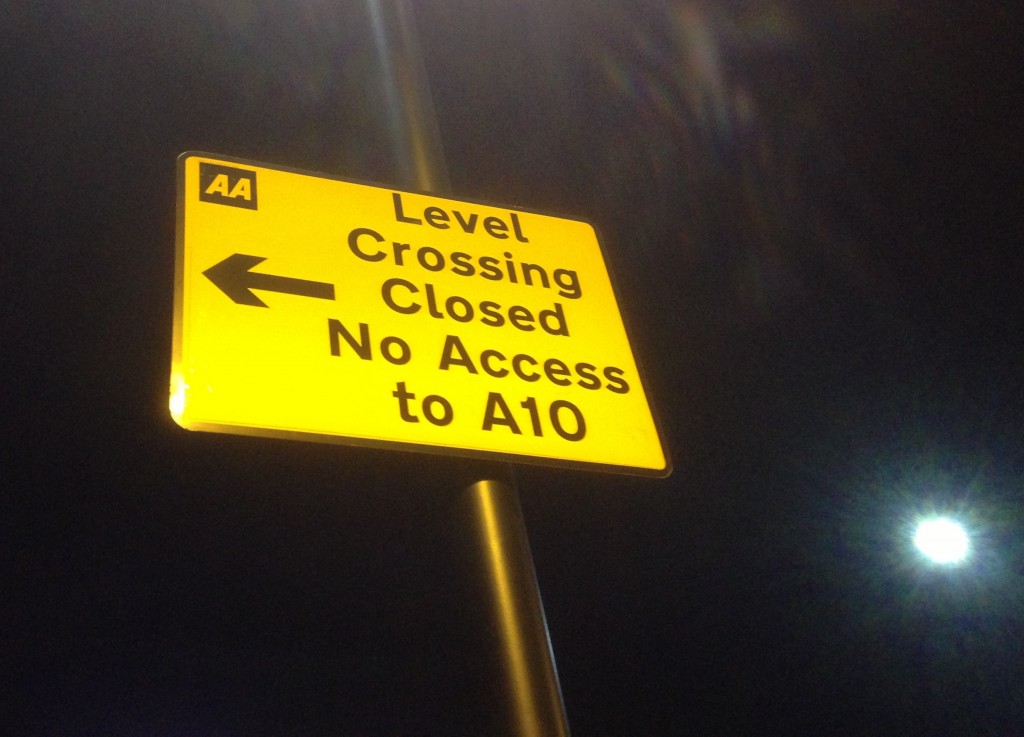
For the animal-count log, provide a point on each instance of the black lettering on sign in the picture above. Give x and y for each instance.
(395, 350)
(440, 218)
(226, 185)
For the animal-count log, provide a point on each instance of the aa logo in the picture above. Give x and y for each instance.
(226, 185)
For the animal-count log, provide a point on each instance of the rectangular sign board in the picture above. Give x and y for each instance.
(316, 308)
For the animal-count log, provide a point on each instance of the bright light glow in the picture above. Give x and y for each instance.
(942, 540)
(177, 401)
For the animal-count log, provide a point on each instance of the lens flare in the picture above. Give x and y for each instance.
(942, 540)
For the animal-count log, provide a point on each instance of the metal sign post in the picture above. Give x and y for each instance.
(313, 307)
(532, 686)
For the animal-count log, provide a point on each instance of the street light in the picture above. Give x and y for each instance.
(942, 540)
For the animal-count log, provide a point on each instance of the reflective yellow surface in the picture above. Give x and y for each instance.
(376, 316)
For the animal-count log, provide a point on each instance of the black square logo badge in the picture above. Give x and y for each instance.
(226, 185)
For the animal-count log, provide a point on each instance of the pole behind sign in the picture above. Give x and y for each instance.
(531, 685)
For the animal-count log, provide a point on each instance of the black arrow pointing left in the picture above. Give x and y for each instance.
(235, 278)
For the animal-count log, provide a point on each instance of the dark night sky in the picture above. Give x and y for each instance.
(814, 213)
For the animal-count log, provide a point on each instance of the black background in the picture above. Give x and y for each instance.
(813, 211)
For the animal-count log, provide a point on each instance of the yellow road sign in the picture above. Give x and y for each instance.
(312, 307)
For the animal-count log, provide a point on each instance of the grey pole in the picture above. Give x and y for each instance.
(531, 687)
(412, 124)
